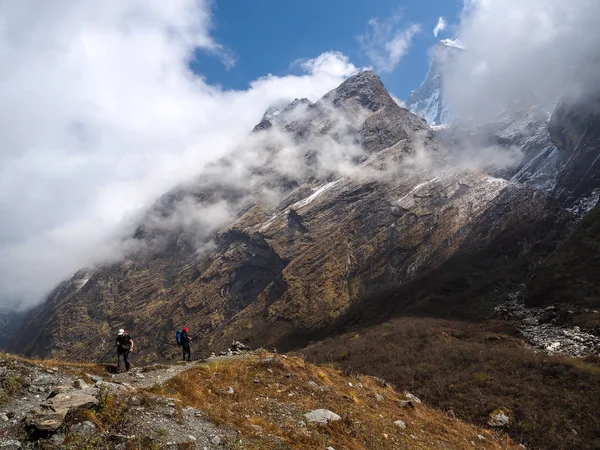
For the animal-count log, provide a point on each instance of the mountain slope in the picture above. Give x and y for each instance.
(387, 211)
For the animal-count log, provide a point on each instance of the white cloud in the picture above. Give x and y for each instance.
(385, 45)
(330, 63)
(515, 49)
(100, 115)
(440, 26)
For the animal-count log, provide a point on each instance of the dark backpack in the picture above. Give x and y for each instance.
(178, 337)
(124, 344)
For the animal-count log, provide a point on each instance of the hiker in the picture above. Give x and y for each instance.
(124, 345)
(185, 344)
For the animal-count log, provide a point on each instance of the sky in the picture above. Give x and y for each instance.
(268, 36)
(108, 105)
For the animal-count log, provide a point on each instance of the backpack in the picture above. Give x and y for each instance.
(124, 342)
(178, 337)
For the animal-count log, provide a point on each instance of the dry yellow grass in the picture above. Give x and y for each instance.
(272, 393)
(74, 368)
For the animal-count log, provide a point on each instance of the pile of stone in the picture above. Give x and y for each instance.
(544, 329)
(236, 348)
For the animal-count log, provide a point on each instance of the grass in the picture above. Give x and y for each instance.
(474, 369)
(10, 385)
(271, 394)
(72, 368)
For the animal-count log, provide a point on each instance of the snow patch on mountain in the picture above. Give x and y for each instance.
(314, 195)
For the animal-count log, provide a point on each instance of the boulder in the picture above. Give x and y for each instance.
(322, 416)
(58, 390)
(400, 424)
(412, 398)
(95, 378)
(49, 415)
(500, 418)
(79, 384)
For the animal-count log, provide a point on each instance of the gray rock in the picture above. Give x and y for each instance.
(412, 398)
(379, 397)
(95, 378)
(10, 444)
(79, 384)
(43, 380)
(216, 440)
(499, 419)
(85, 428)
(49, 415)
(322, 416)
(400, 424)
(3, 417)
(58, 390)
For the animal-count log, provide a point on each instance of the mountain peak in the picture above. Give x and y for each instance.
(365, 88)
(428, 101)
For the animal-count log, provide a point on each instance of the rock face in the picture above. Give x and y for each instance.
(428, 100)
(282, 270)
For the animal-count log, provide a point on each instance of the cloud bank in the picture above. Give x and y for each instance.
(519, 49)
(101, 115)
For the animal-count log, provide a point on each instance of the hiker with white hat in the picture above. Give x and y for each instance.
(124, 345)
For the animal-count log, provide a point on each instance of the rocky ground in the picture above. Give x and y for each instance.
(544, 328)
(49, 404)
(242, 399)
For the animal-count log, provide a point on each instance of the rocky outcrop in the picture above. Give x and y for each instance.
(50, 415)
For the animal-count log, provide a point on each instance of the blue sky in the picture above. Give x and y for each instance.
(267, 36)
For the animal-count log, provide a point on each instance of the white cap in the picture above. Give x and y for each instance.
(121, 331)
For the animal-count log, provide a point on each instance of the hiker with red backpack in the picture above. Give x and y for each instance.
(184, 341)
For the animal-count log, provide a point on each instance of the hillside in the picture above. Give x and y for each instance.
(255, 401)
(278, 272)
